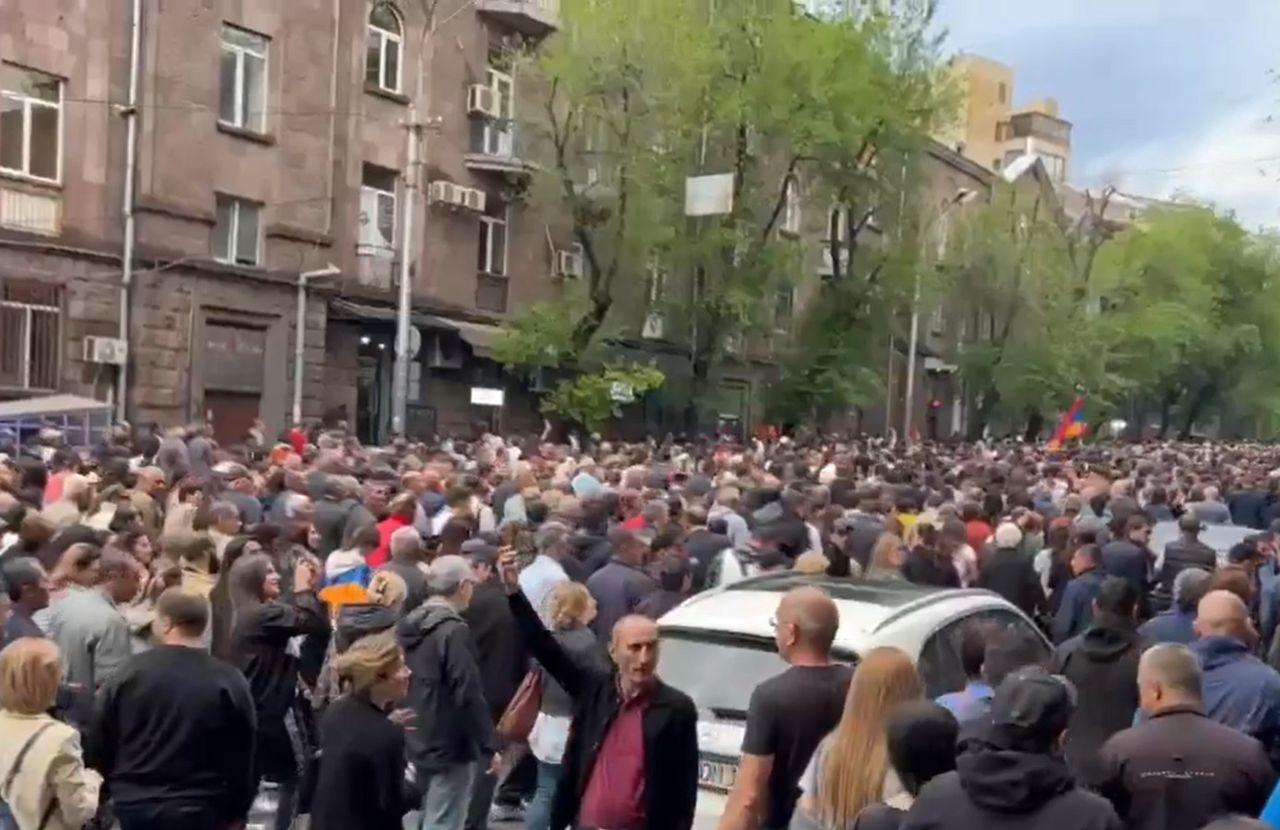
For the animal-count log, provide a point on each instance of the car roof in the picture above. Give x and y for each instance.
(866, 608)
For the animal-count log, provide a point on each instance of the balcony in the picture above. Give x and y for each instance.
(491, 292)
(1042, 126)
(535, 18)
(499, 146)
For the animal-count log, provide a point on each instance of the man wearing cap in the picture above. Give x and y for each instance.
(1010, 772)
(1185, 552)
(621, 585)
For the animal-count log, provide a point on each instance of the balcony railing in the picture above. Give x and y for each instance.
(500, 146)
(537, 18)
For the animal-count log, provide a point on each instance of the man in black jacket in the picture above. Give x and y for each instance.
(1179, 770)
(1009, 775)
(1185, 552)
(632, 756)
(173, 730)
(1011, 573)
(1102, 663)
(454, 724)
(1129, 556)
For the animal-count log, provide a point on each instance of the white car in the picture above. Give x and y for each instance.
(719, 645)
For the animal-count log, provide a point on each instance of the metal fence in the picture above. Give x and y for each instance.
(30, 336)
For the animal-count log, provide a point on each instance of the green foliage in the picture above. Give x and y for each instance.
(589, 398)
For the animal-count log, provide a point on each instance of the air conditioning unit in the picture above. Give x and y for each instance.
(108, 350)
(655, 326)
(482, 100)
(442, 356)
(473, 199)
(569, 263)
(445, 193)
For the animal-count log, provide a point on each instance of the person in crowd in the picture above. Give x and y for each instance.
(929, 562)
(339, 513)
(1239, 690)
(703, 544)
(224, 524)
(675, 579)
(27, 586)
(1129, 556)
(1103, 661)
(86, 621)
(631, 759)
(1177, 623)
(1158, 509)
(850, 770)
(172, 729)
(454, 723)
(503, 664)
(920, 741)
(356, 622)
(1207, 505)
(46, 783)
(73, 505)
(726, 507)
(408, 561)
(361, 781)
(1053, 564)
(221, 612)
(1187, 551)
(1010, 774)
(147, 498)
(240, 491)
(974, 700)
(976, 527)
(788, 715)
(1179, 770)
(621, 585)
(886, 559)
(1076, 611)
(569, 611)
(546, 572)
(179, 519)
(1009, 572)
(260, 648)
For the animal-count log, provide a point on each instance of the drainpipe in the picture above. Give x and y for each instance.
(130, 112)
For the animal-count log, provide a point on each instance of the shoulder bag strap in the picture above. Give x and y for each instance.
(19, 758)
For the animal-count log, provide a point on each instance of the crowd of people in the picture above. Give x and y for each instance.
(442, 635)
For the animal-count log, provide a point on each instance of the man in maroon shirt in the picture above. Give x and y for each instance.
(631, 762)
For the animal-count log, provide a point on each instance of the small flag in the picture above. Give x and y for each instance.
(1070, 425)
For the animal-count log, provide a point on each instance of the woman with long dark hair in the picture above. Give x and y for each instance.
(928, 562)
(262, 628)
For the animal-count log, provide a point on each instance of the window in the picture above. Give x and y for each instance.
(838, 225)
(236, 233)
(242, 100)
(497, 134)
(30, 123)
(939, 662)
(377, 212)
(783, 308)
(382, 64)
(493, 245)
(30, 334)
(791, 216)
(1003, 93)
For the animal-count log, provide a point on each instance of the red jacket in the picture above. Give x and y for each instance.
(379, 555)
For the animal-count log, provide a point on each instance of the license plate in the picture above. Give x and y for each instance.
(717, 774)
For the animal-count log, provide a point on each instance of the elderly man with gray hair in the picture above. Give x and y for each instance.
(407, 562)
(1177, 623)
(546, 571)
(454, 731)
(1215, 770)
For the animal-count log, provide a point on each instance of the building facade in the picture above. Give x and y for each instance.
(989, 129)
(273, 140)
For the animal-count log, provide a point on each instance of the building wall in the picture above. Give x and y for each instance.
(985, 88)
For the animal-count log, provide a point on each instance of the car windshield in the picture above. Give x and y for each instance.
(719, 670)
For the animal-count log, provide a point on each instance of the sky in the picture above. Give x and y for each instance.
(1167, 97)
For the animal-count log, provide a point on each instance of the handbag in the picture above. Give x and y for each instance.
(518, 718)
(6, 817)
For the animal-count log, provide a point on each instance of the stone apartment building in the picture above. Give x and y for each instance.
(271, 142)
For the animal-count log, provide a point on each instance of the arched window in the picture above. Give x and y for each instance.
(386, 38)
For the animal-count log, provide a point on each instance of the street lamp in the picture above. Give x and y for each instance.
(961, 196)
(300, 332)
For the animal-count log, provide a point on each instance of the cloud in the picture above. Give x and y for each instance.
(1233, 162)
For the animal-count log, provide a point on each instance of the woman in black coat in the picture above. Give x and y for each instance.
(361, 784)
(259, 647)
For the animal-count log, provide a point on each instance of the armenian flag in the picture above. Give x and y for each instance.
(1070, 425)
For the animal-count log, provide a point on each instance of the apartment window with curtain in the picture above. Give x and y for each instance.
(30, 123)
(792, 218)
(385, 48)
(377, 232)
(491, 265)
(242, 97)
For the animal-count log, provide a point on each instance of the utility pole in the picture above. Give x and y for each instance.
(400, 379)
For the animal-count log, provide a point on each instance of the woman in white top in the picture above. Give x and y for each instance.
(43, 779)
(850, 769)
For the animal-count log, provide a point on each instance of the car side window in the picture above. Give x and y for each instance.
(939, 664)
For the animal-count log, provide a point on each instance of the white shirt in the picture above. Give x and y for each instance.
(540, 578)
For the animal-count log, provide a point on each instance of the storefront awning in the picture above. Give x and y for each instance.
(481, 337)
(382, 314)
